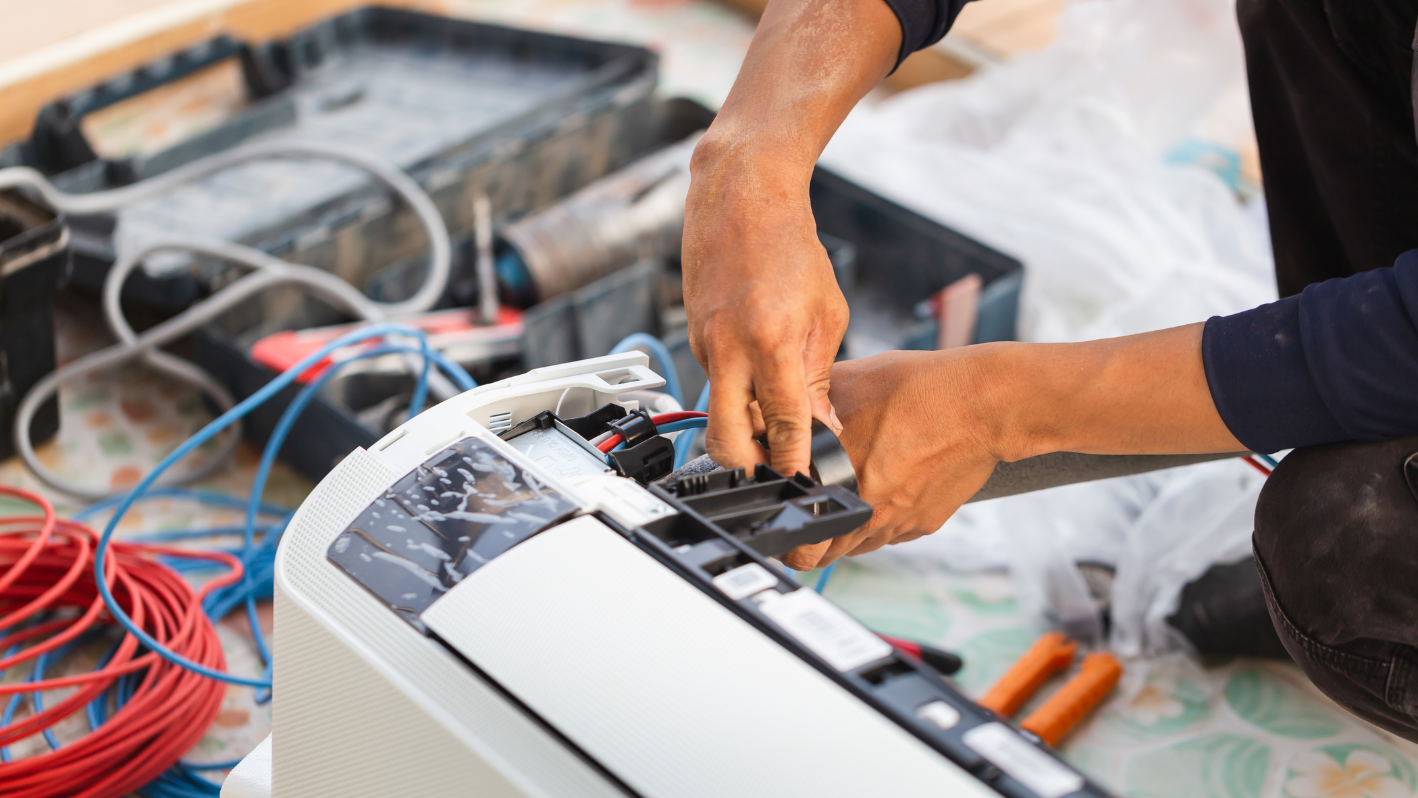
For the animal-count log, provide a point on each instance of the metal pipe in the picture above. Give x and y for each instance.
(630, 215)
(1044, 471)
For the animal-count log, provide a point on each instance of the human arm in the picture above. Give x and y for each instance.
(766, 316)
(925, 430)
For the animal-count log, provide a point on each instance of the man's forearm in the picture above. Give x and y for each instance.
(809, 63)
(1140, 394)
(765, 313)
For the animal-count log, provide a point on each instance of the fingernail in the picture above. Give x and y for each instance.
(832, 419)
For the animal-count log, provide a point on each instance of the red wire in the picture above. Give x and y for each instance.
(1261, 467)
(663, 418)
(47, 564)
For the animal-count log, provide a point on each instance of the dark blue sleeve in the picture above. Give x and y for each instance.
(1339, 362)
(923, 22)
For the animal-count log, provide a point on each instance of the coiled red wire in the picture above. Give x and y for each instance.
(46, 565)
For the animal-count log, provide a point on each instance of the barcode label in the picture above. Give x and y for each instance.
(744, 581)
(1037, 771)
(826, 630)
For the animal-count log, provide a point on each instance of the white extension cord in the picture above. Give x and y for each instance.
(267, 272)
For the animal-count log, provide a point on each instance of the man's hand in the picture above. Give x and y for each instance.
(919, 442)
(926, 429)
(765, 314)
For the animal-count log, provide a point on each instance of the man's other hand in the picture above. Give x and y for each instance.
(926, 429)
(920, 446)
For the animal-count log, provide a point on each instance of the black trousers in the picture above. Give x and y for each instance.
(1331, 93)
(1334, 86)
(1336, 544)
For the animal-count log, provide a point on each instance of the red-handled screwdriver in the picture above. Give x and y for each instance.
(943, 661)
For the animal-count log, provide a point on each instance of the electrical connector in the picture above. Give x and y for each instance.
(646, 461)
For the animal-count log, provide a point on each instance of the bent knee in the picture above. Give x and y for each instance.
(1336, 540)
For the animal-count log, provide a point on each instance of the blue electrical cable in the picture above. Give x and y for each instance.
(661, 353)
(14, 701)
(176, 492)
(685, 443)
(268, 458)
(672, 426)
(682, 425)
(205, 434)
(258, 560)
(1268, 460)
(824, 576)
(171, 535)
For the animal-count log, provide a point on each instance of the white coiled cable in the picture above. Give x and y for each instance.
(267, 272)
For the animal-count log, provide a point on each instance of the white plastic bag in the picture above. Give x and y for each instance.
(1061, 158)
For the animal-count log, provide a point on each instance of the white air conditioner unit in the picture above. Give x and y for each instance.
(459, 613)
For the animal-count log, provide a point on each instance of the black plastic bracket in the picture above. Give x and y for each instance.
(596, 422)
(647, 461)
(772, 514)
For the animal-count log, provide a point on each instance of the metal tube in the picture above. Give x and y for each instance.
(633, 214)
(1045, 471)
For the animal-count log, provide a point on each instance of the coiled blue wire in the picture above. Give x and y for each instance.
(181, 781)
(260, 565)
(207, 433)
(36, 699)
(661, 353)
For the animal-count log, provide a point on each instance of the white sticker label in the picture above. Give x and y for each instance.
(1026, 764)
(624, 500)
(940, 713)
(744, 581)
(828, 631)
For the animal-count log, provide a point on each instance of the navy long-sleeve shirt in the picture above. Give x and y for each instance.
(923, 22)
(1339, 362)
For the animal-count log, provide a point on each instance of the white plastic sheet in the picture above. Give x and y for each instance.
(1067, 159)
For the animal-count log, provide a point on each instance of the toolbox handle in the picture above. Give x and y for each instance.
(57, 142)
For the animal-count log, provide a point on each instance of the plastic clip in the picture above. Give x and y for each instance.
(646, 461)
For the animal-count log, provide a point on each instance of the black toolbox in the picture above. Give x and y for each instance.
(590, 109)
(524, 116)
(888, 258)
(34, 262)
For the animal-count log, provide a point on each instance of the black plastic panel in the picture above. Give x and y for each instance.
(770, 513)
(705, 540)
(445, 519)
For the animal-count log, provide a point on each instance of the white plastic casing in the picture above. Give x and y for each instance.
(647, 676)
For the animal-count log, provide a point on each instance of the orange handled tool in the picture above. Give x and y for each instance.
(1051, 653)
(1098, 676)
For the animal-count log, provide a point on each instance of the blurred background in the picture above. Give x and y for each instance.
(1053, 170)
